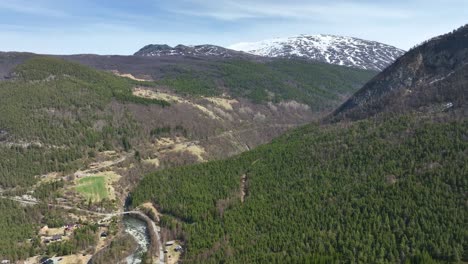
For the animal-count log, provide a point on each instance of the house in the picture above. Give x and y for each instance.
(104, 234)
(170, 243)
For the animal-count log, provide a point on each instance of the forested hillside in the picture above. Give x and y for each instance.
(54, 112)
(318, 85)
(430, 77)
(375, 191)
(49, 115)
(321, 86)
(16, 224)
(59, 117)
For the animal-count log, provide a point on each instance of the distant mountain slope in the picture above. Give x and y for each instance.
(320, 85)
(430, 77)
(159, 50)
(8, 60)
(332, 49)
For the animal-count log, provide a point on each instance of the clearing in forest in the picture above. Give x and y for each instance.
(98, 187)
(173, 253)
(93, 188)
(146, 93)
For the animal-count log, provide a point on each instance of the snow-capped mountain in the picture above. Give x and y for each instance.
(196, 51)
(332, 49)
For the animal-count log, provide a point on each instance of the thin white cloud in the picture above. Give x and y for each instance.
(90, 26)
(230, 10)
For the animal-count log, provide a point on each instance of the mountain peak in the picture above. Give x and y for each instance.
(158, 50)
(340, 50)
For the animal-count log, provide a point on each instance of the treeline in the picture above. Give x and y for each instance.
(375, 191)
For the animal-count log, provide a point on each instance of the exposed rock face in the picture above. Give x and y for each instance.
(430, 77)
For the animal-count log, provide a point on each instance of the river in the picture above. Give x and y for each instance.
(139, 231)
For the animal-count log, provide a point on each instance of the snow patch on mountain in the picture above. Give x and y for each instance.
(347, 51)
(158, 50)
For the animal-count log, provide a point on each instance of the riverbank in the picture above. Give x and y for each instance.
(155, 246)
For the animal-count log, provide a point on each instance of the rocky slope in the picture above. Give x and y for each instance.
(159, 50)
(332, 49)
(430, 77)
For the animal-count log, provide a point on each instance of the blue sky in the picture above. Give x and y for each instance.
(124, 26)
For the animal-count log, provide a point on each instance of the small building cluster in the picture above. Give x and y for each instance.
(49, 235)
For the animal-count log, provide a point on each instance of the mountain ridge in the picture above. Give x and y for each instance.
(159, 50)
(430, 76)
(333, 49)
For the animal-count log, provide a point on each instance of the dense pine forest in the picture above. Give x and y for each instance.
(381, 190)
(16, 224)
(319, 85)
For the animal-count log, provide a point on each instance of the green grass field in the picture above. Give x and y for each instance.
(93, 188)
